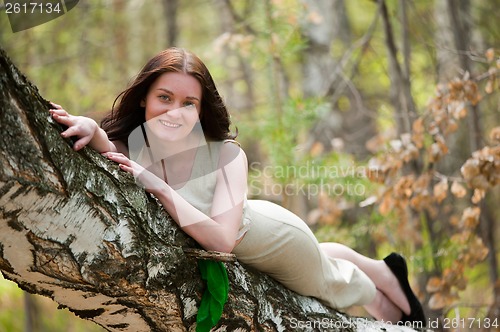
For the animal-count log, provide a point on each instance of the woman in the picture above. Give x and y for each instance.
(170, 129)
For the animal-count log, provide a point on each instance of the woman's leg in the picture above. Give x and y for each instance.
(381, 308)
(381, 275)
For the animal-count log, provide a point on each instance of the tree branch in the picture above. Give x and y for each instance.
(400, 84)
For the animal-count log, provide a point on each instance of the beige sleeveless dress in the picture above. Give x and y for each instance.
(277, 242)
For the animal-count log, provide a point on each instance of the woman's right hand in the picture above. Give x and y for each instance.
(80, 126)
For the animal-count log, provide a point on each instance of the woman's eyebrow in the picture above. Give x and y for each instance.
(166, 90)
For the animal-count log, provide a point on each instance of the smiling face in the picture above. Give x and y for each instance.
(173, 106)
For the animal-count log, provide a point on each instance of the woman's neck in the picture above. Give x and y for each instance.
(171, 149)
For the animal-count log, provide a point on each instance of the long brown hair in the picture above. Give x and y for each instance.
(128, 113)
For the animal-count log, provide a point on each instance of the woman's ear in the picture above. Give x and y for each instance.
(143, 102)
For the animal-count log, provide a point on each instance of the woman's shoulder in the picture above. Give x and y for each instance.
(232, 141)
(228, 150)
(220, 143)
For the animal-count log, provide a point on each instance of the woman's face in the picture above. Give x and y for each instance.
(173, 105)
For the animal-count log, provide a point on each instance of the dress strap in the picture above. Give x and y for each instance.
(232, 141)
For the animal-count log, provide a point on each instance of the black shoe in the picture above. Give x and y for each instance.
(397, 264)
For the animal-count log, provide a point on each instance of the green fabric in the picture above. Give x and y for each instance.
(215, 295)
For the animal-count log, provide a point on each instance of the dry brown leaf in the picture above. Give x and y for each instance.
(461, 284)
(418, 125)
(490, 54)
(490, 85)
(421, 201)
(460, 238)
(420, 185)
(470, 169)
(452, 127)
(386, 205)
(470, 217)
(458, 190)
(454, 220)
(461, 113)
(442, 143)
(450, 274)
(440, 190)
(435, 153)
(478, 193)
(376, 171)
(375, 143)
(478, 250)
(495, 135)
(403, 187)
(437, 301)
(316, 149)
(434, 285)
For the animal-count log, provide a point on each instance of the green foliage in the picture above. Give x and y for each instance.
(283, 132)
(215, 295)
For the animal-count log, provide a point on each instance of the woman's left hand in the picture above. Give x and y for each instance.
(147, 179)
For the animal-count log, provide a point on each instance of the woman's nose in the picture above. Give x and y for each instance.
(174, 111)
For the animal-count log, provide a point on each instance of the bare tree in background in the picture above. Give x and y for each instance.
(326, 29)
(170, 9)
(456, 37)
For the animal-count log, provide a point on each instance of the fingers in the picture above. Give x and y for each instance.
(60, 116)
(125, 164)
(127, 169)
(71, 131)
(80, 143)
(63, 119)
(58, 112)
(57, 109)
(118, 158)
(56, 106)
(143, 177)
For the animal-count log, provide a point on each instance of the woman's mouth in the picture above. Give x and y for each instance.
(169, 124)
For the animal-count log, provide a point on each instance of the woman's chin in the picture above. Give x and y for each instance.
(171, 138)
(168, 134)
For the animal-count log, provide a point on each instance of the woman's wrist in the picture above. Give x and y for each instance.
(160, 190)
(100, 141)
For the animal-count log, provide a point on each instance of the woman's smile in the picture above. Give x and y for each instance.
(169, 124)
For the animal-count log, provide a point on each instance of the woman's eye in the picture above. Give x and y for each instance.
(164, 97)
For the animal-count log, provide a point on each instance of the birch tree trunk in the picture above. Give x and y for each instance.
(75, 228)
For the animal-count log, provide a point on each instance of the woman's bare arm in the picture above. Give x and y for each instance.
(217, 231)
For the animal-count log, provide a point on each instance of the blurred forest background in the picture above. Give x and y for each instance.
(376, 121)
